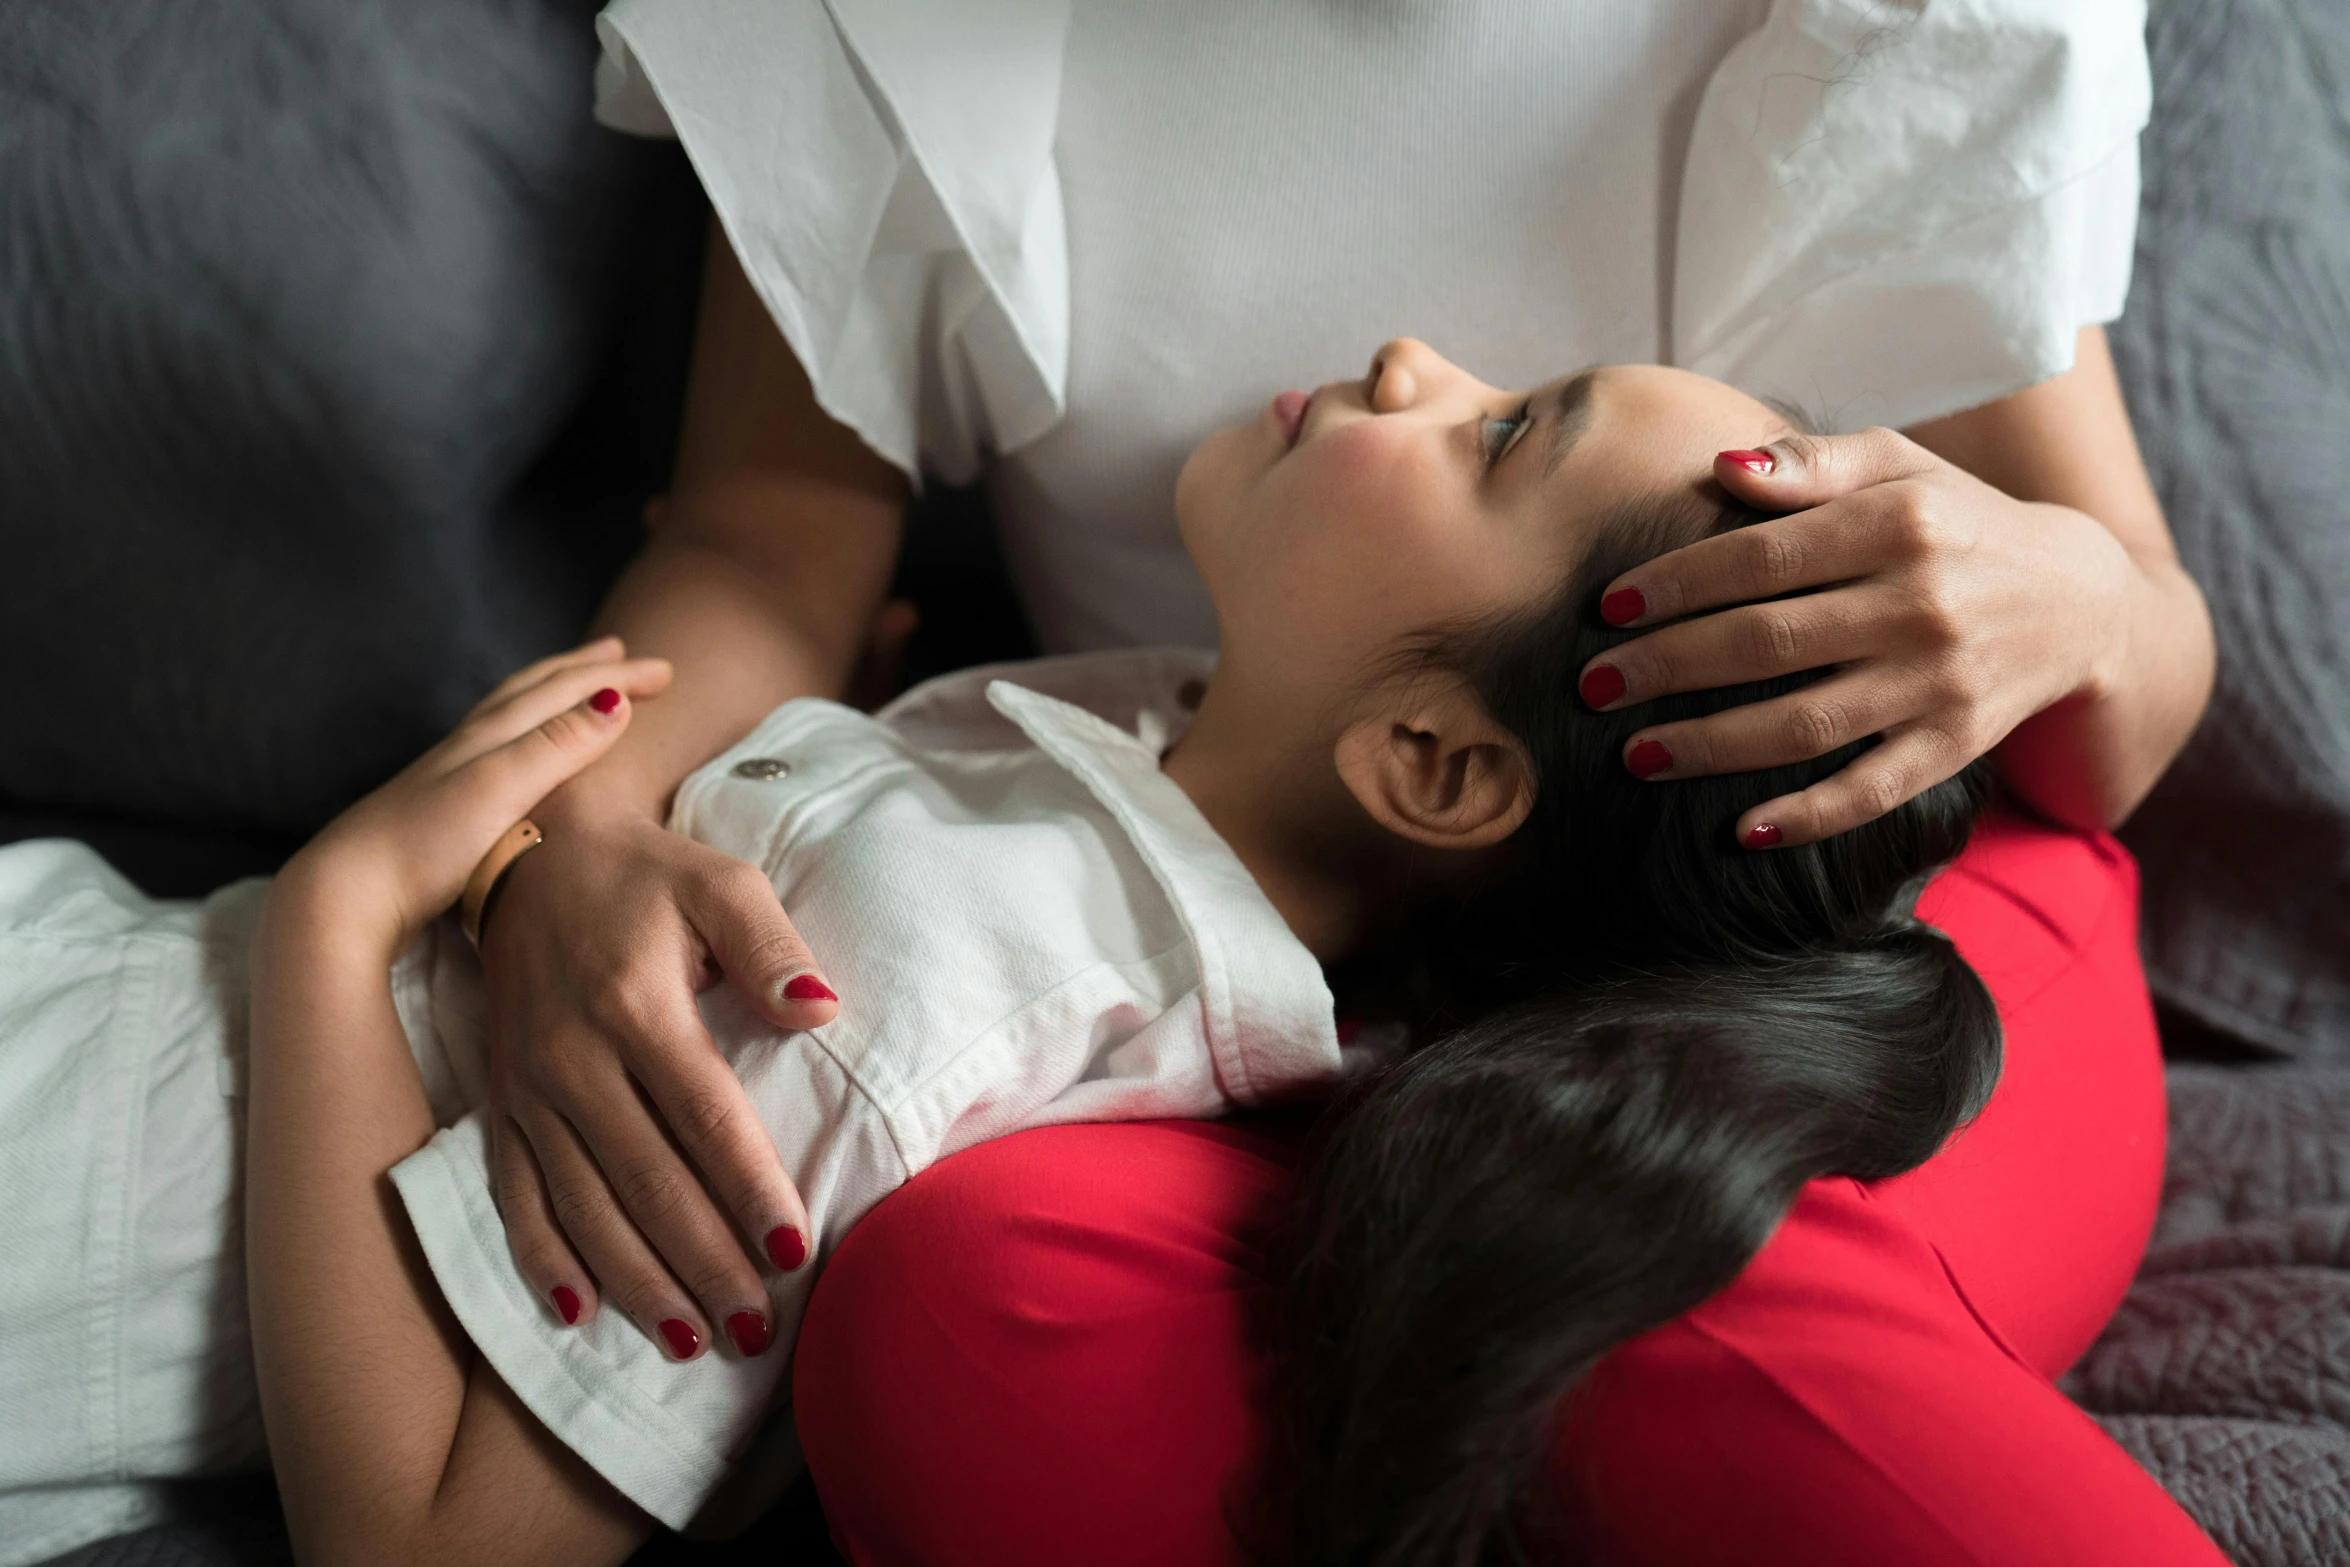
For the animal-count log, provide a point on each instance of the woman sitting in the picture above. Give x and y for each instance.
(1645, 1029)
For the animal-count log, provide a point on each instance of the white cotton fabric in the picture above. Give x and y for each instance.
(1028, 924)
(1059, 245)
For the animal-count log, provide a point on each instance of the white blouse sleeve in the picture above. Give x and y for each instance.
(884, 171)
(1891, 213)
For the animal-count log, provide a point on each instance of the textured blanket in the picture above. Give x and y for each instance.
(2227, 1370)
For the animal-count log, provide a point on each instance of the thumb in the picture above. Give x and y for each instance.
(756, 946)
(1800, 471)
(493, 789)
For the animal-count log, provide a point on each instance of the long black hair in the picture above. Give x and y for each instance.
(1645, 1040)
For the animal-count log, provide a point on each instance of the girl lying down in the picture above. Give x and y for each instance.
(1094, 888)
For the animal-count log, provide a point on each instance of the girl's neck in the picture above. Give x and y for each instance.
(1269, 789)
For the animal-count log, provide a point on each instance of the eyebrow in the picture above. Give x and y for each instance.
(1570, 415)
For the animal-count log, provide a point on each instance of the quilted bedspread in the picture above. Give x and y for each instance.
(2227, 1370)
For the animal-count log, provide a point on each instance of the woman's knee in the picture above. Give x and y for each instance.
(1074, 1302)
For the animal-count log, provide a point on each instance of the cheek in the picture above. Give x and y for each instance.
(1207, 494)
(1336, 546)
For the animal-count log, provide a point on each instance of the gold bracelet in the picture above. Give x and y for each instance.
(512, 845)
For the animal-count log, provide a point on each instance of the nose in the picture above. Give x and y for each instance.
(1404, 371)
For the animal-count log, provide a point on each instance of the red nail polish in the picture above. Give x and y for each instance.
(1751, 461)
(1602, 684)
(605, 701)
(566, 1304)
(1761, 836)
(681, 1338)
(1648, 758)
(1622, 607)
(750, 1332)
(787, 1248)
(807, 987)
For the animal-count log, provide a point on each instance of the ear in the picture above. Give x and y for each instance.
(1433, 767)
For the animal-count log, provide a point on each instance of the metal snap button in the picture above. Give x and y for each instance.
(762, 769)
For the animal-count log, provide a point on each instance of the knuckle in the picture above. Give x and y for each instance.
(1882, 443)
(1939, 622)
(1800, 450)
(1818, 726)
(579, 1210)
(538, 1260)
(702, 1118)
(1778, 558)
(650, 1189)
(1883, 789)
(623, 1008)
(567, 731)
(1776, 640)
(772, 951)
(716, 1285)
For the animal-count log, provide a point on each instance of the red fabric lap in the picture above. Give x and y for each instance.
(1042, 1349)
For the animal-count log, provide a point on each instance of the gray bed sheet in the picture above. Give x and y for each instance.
(2227, 1370)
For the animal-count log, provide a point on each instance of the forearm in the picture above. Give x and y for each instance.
(390, 1442)
(745, 629)
(765, 564)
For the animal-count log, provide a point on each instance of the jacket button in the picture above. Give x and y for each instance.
(762, 769)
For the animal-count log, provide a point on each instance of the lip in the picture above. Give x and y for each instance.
(1289, 414)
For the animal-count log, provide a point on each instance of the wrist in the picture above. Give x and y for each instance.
(323, 911)
(2111, 585)
(591, 802)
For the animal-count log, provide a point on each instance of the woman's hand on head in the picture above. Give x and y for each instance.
(1946, 611)
(402, 855)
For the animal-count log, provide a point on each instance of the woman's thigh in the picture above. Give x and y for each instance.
(1044, 1348)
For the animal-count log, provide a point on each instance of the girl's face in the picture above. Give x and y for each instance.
(1332, 525)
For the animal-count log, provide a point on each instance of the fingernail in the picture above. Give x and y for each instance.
(787, 1248)
(1649, 758)
(566, 1304)
(1751, 461)
(1622, 607)
(684, 1343)
(1602, 684)
(750, 1332)
(605, 701)
(1760, 836)
(807, 987)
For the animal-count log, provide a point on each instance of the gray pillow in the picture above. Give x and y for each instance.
(294, 294)
(2235, 355)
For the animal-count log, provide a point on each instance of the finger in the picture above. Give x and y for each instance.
(712, 1119)
(534, 704)
(671, 1210)
(628, 1271)
(1903, 766)
(1797, 471)
(1797, 727)
(541, 1253)
(1837, 541)
(594, 650)
(1751, 642)
(497, 786)
(734, 909)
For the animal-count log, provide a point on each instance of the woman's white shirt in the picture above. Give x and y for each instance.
(1028, 924)
(1059, 244)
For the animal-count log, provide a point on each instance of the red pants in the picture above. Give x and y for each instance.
(1042, 1349)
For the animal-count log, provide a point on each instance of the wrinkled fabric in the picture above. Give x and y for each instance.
(1028, 923)
(1056, 247)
